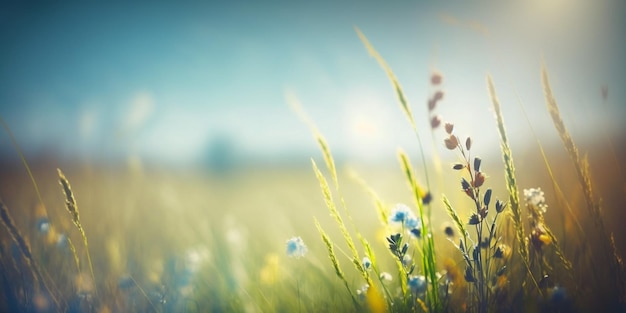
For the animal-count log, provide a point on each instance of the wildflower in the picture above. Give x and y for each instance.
(558, 294)
(406, 260)
(417, 283)
(412, 222)
(416, 232)
(43, 225)
(534, 196)
(41, 303)
(402, 214)
(426, 199)
(539, 238)
(61, 241)
(367, 263)
(269, 272)
(386, 276)
(296, 247)
(448, 230)
(362, 292)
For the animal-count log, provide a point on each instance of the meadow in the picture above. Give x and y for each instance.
(472, 234)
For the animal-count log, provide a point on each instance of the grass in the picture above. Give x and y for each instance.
(159, 241)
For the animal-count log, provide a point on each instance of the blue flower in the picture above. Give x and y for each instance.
(43, 225)
(403, 214)
(417, 283)
(125, 282)
(416, 232)
(407, 260)
(367, 263)
(62, 241)
(558, 294)
(412, 222)
(296, 247)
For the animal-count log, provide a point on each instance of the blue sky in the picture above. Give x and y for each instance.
(161, 82)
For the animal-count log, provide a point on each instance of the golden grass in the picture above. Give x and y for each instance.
(333, 259)
(72, 208)
(25, 250)
(581, 166)
(509, 172)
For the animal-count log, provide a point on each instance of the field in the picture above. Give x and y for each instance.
(174, 241)
(458, 231)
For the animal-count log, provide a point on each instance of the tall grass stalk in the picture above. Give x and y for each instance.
(404, 103)
(25, 250)
(511, 184)
(428, 247)
(333, 259)
(330, 165)
(72, 208)
(509, 173)
(582, 171)
(428, 244)
(17, 148)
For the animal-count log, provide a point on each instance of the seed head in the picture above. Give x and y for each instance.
(435, 78)
(449, 128)
(451, 142)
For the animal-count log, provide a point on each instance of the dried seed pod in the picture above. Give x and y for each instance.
(438, 95)
(431, 104)
(468, 143)
(464, 184)
(449, 128)
(451, 142)
(474, 219)
(479, 179)
(469, 277)
(483, 212)
(428, 197)
(501, 270)
(435, 121)
(500, 206)
(487, 197)
(458, 166)
(477, 162)
(435, 78)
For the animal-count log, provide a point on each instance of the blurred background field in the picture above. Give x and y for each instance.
(191, 171)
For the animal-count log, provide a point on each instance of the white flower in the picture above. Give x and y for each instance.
(534, 196)
(386, 276)
(296, 247)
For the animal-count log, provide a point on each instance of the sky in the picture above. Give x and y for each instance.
(173, 83)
